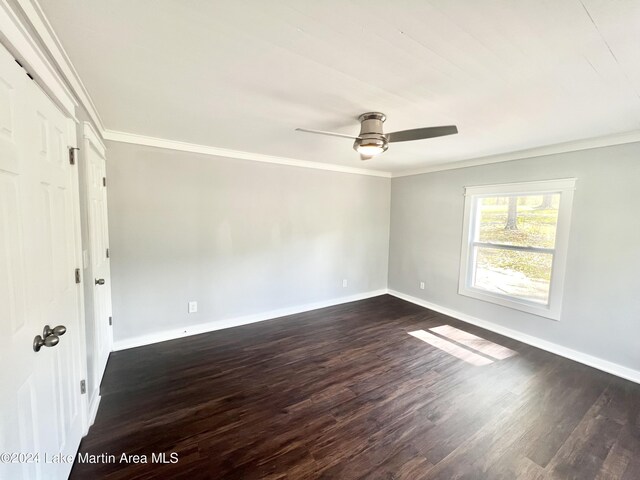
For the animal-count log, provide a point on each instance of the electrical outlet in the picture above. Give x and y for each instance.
(193, 307)
(345, 283)
(421, 285)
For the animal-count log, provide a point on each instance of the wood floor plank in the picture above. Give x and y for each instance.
(585, 450)
(346, 392)
(615, 464)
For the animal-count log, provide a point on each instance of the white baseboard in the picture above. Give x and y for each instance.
(590, 360)
(235, 322)
(93, 410)
(99, 372)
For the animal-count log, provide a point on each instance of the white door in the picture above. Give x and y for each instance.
(94, 156)
(40, 400)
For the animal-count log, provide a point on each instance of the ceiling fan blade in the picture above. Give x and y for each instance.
(365, 157)
(421, 133)
(322, 132)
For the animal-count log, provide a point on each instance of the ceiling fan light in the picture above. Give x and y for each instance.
(371, 144)
(370, 150)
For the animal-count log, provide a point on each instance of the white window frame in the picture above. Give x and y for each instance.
(565, 187)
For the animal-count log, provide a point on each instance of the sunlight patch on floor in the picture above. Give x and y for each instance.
(464, 345)
(451, 348)
(473, 341)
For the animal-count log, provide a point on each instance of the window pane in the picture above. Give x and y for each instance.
(523, 220)
(525, 275)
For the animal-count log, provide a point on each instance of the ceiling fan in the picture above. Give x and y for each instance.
(372, 141)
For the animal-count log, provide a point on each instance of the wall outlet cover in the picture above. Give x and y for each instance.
(193, 307)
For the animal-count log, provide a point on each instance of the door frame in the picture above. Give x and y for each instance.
(17, 39)
(91, 140)
(77, 219)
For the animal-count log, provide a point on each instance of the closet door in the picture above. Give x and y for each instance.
(40, 399)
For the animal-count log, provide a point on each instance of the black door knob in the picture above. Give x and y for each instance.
(99, 281)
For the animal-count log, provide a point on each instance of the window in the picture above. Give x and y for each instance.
(515, 244)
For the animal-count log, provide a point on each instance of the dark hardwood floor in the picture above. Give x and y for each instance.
(346, 392)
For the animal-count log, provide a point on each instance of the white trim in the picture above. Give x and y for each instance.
(565, 147)
(234, 322)
(72, 141)
(585, 144)
(72, 137)
(93, 410)
(543, 186)
(584, 358)
(92, 136)
(38, 20)
(92, 141)
(224, 152)
(553, 308)
(19, 42)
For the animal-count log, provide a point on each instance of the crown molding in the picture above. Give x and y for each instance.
(135, 139)
(566, 147)
(38, 20)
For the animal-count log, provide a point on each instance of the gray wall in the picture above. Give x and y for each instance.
(601, 307)
(240, 237)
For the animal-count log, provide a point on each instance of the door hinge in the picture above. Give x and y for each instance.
(110, 321)
(77, 275)
(72, 155)
(83, 387)
(107, 253)
(104, 181)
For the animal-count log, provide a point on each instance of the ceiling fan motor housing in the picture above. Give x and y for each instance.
(371, 134)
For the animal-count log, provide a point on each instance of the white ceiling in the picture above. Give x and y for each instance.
(243, 75)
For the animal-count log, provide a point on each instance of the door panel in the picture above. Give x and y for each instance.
(11, 253)
(40, 397)
(27, 431)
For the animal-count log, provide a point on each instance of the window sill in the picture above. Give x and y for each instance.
(540, 310)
